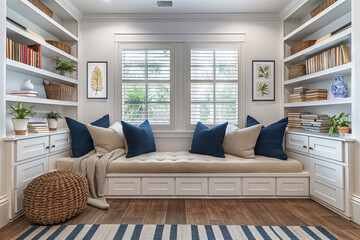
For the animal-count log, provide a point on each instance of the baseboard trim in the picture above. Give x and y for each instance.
(4, 210)
(356, 208)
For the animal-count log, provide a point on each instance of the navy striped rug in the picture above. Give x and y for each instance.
(174, 232)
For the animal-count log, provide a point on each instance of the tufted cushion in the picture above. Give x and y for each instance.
(185, 162)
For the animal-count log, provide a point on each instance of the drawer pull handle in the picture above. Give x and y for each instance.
(52, 146)
(304, 146)
(311, 148)
(47, 147)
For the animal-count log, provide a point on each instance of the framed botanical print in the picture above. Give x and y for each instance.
(97, 80)
(263, 80)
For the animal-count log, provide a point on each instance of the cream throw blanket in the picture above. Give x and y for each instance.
(94, 167)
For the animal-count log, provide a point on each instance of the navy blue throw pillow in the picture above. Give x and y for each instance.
(269, 142)
(209, 140)
(139, 139)
(81, 141)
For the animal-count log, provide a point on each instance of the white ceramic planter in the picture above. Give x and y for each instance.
(53, 123)
(20, 125)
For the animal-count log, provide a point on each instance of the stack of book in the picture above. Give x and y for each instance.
(25, 93)
(328, 59)
(299, 94)
(295, 120)
(38, 127)
(30, 55)
(316, 95)
(315, 122)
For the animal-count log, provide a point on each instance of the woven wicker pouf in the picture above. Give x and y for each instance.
(55, 197)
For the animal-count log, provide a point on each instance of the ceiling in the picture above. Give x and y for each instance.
(181, 6)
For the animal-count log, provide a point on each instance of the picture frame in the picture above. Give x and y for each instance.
(263, 80)
(97, 79)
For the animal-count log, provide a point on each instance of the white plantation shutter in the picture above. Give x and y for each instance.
(214, 78)
(146, 76)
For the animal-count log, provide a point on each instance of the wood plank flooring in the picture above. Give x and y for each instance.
(208, 211)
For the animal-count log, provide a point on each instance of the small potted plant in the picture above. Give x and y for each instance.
(340, 123)
(52, 118)
(20, 121)
(65, 68)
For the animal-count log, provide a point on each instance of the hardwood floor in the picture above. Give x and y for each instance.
(208, 211)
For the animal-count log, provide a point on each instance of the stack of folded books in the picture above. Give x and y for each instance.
(295, 120)
(315, 122)
(38, 127)
(25, 93)
(316, 95)
(299, 94)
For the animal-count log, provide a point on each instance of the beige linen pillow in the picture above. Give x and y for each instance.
(241, 142)
(107, 139)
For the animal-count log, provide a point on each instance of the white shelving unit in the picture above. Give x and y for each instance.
(12, 98)
(328, 102)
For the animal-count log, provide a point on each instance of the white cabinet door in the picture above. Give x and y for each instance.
(124, 186)
(191, 186)
(59, 142)
(326, 148)
(33, 147)
(297, 142)
(158, 186)
(224, 186)
(328, 173)
(26, 172)
(259, 186)
(329, 194)
(292, 187)
(54, 157)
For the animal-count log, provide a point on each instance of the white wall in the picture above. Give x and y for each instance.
(97, 43)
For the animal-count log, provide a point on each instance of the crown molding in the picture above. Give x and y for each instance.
(205, 17)
(70, 7)
(290, 8)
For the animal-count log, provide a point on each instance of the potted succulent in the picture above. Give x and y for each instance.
(340, 123)
(52, 118)
(65, 68)
(20, 121)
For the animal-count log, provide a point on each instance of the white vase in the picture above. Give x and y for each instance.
(53, 123)
(64, 73)
(26, 85)
(20, 125)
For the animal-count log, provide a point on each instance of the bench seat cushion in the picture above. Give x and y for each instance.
(185, 162)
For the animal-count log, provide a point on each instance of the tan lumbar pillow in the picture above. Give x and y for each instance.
(107, 139)
(241, 142)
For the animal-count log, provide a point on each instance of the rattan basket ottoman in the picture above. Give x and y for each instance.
(55, 197)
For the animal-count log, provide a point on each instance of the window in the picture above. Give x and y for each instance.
(146, 84)
(214, 78)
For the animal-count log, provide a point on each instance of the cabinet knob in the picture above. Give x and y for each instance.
(311, 148)
(47, 147)
(304, 146)
(52, 146)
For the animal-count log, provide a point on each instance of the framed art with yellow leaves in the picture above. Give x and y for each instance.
(97, 80)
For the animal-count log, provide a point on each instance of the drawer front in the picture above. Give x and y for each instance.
(124, 186)
(191, 186)
(329, 194)
(225, 186)
(297, 142)
(158, 186)
(292, 187)
(54, 157)
(328, 173)
(33, 147)
(25, 173)
(59, 142)
(326, 148)
(258, 186)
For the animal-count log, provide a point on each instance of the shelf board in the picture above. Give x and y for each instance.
(330, 14)
(335, 136)
(12, 137)
(35, 15)
(19, 67)
(342, 37)
(12, 98)
(58, 9)
(327, 74)
(328, 102)
(47, 49)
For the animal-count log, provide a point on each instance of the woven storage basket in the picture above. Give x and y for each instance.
(325, 4)
(42, 7)
(60, 45)
(296, 71)
(301, 46)
(55, 197)
(58, 91)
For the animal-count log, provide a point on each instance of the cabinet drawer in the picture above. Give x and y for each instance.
(191, 186)
(25, 173)
(54, 157)
(329, 194)
(33, 147)
(292, 187)
(59, 142)
(328, 173)
(225, 186)
(326, 148)
(124, 186)
(158, 186)
(297, 142)
(259, 186)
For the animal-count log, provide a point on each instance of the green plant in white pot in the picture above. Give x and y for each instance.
(20, 121)
(65, 68)
(340, 123)
(53, 118)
